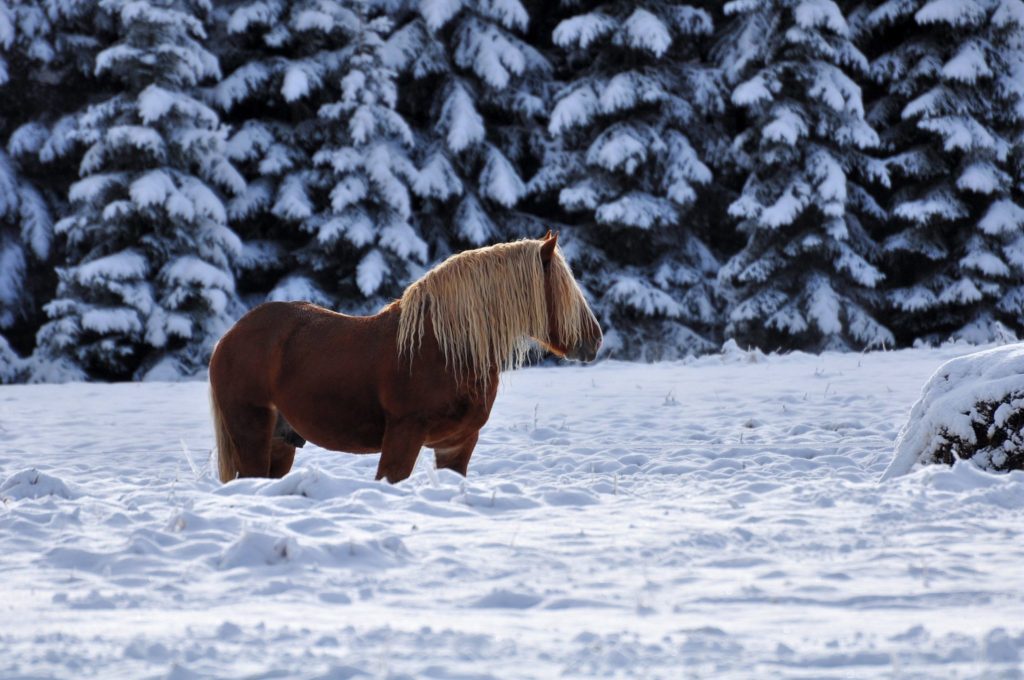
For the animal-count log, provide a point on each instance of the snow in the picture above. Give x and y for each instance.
(786, 207)
(437, 13)
(684, 167)
(465, 125)
(111, 320)
(576, 108)
(123, 266)
(155, 102)
(622, 147)
(152, 188)
(12, 280)
(581, 31)
(627, 90)
(190, 270)
(350, 190)
(961, 292)
(90, 188)
(644, 31)
(253, 14)
(981, 178)
(27, 139)
(491, 54)
(298, 288)
(371, 272)
(509, 13)
(293, 201)
(985, 262)
(948, 401)
(751, 92)
(637, 209)
(296, 84)
(787, 127)
(472, 221)
(953, 12)
(968, 65)
(437, 179)
(142, 138)
(402, 240)
(938, 204)
(720, 515)
(960, 133)
(812, 14)
(640, 295)
(1003, 217)
(823, 306)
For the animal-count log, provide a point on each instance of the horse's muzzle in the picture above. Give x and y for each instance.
(585, 352)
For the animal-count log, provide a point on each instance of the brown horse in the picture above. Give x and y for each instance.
(423, 371)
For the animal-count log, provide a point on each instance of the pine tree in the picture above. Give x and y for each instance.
(950, 100)
(147, 287)
(365, 164)
(335, 182)
(275, 130)
(472, 91)
(633, 129)
(807, 276)
(18, 227)
(37, 83)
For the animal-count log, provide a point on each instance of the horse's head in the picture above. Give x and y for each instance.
(573, 331)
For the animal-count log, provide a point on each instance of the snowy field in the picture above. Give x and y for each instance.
(714, 518)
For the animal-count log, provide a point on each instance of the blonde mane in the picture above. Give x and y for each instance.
(486, 304)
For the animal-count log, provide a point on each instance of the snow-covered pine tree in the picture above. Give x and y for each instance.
(326, 151)
(273, 133)
(364, 163)
(806, 276)
(473, 92)
(17, 229)
(146, 288)
(950, 104)
(633, 130)
(39, 83)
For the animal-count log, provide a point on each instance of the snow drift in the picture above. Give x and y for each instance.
(972, 407)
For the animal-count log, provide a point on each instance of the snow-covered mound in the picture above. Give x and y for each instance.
(972, 407)
(34, 484)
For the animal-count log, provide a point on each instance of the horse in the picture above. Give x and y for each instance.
(421, 372)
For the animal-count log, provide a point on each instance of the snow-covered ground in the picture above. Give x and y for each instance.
(714, 518)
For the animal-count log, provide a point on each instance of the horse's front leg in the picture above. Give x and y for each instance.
(455, 456)
(401, 447)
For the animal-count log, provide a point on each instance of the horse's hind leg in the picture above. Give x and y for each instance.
(282, 455)
(251, 428)
(283, 443)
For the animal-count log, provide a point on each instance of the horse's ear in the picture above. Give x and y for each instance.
(547, 249)
(546, 236)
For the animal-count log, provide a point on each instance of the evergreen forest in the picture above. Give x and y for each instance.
(790, 174)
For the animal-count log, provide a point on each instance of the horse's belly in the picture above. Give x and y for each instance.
(353, 441)
(348, 431)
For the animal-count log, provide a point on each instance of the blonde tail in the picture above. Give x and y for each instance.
(227, 454)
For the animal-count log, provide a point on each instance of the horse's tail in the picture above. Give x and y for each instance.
(227, 454)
